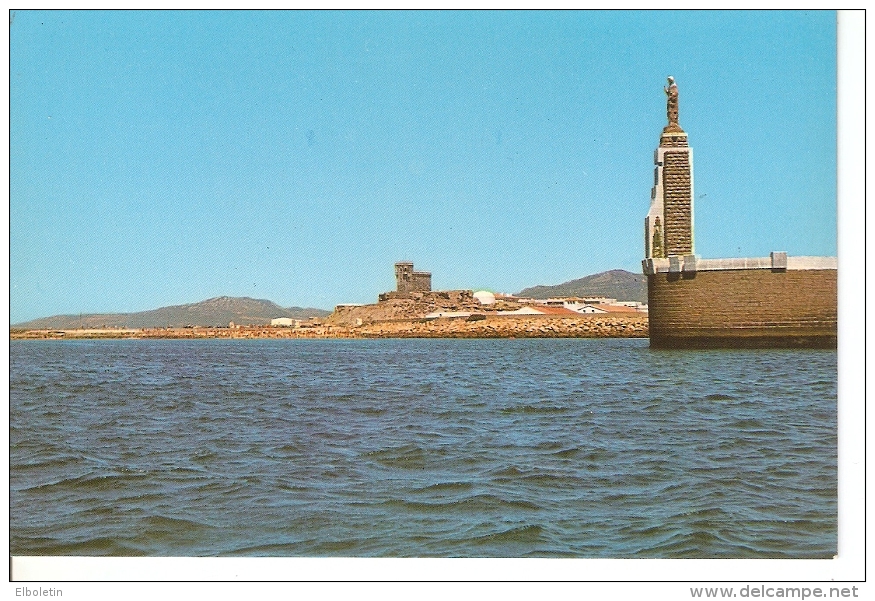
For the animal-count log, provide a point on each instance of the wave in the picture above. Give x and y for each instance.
(520, 534)
(536, 409)
(476, 503)
(447, 487)
(407, 457)
(98, 546)
(89, 481)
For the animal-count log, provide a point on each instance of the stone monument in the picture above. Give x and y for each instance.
(774, 301)
(668, 227)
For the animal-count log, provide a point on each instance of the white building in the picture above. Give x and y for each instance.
(485, 297)
(285, 322)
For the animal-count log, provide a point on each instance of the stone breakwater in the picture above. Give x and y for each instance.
(546, 326)
(529, 326)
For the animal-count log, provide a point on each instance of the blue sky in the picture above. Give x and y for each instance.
(160, 158)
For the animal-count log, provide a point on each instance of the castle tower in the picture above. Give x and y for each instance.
(403, 272)
(408, 280)
(668, 227)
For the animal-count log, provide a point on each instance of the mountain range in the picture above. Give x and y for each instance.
(617, 283)
(220, 311)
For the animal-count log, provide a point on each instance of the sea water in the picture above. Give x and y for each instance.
(427, 448)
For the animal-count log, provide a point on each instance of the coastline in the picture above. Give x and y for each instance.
(633, 325)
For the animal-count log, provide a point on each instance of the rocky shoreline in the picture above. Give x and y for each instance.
(633, 325)
(542, 326)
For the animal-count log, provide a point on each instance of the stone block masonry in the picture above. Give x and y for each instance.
(668, 228)
(408, 280)
(677, 203)
(743, 308)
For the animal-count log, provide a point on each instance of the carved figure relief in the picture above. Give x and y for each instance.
(656, 245)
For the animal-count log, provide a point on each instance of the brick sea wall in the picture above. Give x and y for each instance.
(750, 307)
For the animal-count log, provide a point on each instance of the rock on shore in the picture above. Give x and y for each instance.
(529, 326)
(623, 325)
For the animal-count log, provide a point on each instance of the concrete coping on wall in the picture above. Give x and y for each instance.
(777, 261)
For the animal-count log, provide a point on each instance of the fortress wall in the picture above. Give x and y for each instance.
(404, 305)
(743, 307)
(420, 281)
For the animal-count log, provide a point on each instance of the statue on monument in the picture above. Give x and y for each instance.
(656, 244)
(672, 103)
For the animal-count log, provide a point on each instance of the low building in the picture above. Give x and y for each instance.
(527, 310)
(539, 310)
(284, 322)
(615, 308)
(588, 309)
(447, 314)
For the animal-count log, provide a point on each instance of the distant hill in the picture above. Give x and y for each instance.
(217, 311)
(617, 283)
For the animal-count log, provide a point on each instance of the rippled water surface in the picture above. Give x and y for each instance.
(456, 448)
